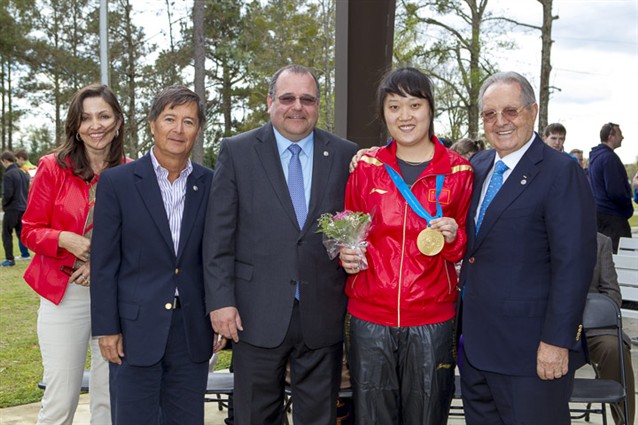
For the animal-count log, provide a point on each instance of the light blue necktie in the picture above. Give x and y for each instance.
(492, 189)
(296, 189)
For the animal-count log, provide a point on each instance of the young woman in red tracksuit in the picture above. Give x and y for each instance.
(403, 305)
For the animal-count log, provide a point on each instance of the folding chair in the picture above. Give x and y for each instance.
(601, 312)
(220, 385)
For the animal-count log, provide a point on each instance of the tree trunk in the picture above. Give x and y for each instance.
(200, 70)
(546, 64)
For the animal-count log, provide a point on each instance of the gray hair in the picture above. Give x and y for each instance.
(527, 92)
(295, 69)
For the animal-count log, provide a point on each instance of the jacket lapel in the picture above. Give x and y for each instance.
(195, 190)
(322, 165)
(481, 165)
(268, 155)
(149, 191)
(517, 182)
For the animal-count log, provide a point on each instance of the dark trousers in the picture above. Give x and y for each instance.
(260, 379)
(170, 392)
(12, 220)
(603, 352)
(401, 375)
(493, 399)
(613, 226)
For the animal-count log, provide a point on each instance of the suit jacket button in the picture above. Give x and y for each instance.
(471, 260)
(177, 270)
(168, 306)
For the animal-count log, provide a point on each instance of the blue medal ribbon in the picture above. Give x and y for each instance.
(411, 199)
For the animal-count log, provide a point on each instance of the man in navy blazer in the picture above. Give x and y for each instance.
(147, 286)
(257, 254)
(527, 268)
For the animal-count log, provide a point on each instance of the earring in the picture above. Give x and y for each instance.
(117, 133)
(77, 137)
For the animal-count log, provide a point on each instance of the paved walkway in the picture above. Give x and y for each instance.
(28, 413)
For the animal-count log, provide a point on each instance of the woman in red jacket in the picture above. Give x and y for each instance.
(403, 305)
(57, 226)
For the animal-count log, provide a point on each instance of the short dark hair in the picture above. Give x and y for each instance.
(406, 81)
(607, 130)
(555, 127)
(176, 96)
(8, 156)
(294, 69)
(71, 153)
(22, 154)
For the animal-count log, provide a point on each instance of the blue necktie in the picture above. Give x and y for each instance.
(296, 189)
(492, 189)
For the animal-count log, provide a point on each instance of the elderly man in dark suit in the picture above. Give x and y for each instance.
(270, 285)
(530, 253)
(147, 284)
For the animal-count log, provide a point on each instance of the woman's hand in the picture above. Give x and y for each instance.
(76, 244)
(351, 258)
(447, 226)
(82, 275)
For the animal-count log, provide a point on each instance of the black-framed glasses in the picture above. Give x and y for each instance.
(305, 100)
(509, 114)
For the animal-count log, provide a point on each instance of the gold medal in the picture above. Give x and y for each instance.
(430, 242)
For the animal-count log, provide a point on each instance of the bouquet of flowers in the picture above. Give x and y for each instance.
(346, 228)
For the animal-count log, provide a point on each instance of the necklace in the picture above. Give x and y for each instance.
(414, 164)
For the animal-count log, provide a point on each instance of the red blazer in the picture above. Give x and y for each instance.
(58, 201)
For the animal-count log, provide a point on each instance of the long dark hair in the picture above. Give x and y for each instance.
(72, 153)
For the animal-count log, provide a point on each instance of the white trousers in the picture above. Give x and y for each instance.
(64, 332)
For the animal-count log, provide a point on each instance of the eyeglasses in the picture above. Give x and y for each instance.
(507, 113)
(306, 100)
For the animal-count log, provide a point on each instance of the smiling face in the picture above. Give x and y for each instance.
(407, 119)
(175, 131)
(98, 124)
(296, 120)
(508, 135)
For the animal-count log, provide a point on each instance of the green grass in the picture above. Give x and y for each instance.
(20, 361)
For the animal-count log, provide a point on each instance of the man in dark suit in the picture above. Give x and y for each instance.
(147, 291)
(270, 285)
(527, 267)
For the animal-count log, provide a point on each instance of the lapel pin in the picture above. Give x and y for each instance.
(524, 181)
(195, 188)
(325, 153)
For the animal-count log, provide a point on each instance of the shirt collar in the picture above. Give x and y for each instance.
(512, 159)
(161, 171)
(283, 143)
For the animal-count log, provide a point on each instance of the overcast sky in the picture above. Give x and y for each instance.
(595, 66)
(594, 59)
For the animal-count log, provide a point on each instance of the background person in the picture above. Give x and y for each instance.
(401, 331)
(603, 344)
(467, 147)
(554, 136)
(529, 260)
(148, 289)
(22, 158)
(610, 185)
(271, 185)
(15, 185)
(57, 227)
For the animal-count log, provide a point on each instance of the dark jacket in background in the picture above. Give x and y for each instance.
(609, 182)
(14, 189)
